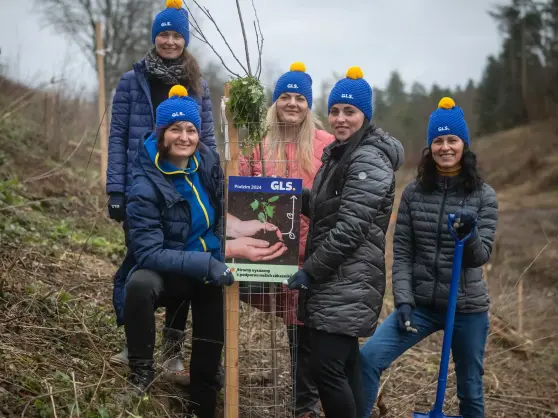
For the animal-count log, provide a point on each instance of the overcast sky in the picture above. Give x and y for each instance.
(429, 41)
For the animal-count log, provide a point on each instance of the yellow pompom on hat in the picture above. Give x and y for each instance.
(296, 80)
(178, 107)
(174, 4)
(178, 91)
(446, 103)
(353, 90)
(447, 119)
(173, 18)
(354, 73)
(298, 66)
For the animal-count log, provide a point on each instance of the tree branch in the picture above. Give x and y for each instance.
(208, 14)
(260, 42)
(244, 36)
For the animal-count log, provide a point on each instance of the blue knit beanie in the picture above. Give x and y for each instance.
(297, 80)
(448, 119)
(178, 107)
(353, 90)
(175, 18)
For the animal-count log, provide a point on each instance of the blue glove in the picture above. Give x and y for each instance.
(404, 318)
(117, 207)
(465, 221)
(299, 280)
(218, 274)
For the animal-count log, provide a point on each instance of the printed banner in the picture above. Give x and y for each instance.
(263, 228)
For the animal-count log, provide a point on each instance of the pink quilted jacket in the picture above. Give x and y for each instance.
(286, 300)
(254, 168)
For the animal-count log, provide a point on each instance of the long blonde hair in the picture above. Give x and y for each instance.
(275, 141)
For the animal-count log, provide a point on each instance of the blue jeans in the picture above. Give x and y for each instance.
(469, 339)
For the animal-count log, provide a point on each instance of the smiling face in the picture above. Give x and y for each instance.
(181, 140)
(345, 120)
(169, 45)
(292, 108)
(447, 151)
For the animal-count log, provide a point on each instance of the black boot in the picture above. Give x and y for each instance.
(173, 360)
(141, 376)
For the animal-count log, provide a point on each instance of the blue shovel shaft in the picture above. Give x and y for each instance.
(448, 329)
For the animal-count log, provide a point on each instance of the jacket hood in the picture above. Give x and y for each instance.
(389, 145)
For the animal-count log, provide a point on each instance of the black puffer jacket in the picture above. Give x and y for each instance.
(423, 247)
(349, 209)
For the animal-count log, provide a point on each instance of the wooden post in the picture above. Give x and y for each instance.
(232, 299)
(102, 117)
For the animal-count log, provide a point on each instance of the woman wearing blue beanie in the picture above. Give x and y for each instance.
(175, 221)
(447, 182)
(293, 148)
(343, 274)
(137, 96)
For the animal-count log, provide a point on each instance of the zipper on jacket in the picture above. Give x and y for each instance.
(438, 236)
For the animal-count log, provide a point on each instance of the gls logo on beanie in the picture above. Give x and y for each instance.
(176, 114)
(443, 128)
(346, 96)
(292, 86)
(165, 24)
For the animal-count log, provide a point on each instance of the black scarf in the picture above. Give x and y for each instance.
(168, 71)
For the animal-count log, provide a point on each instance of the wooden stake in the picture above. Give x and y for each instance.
(103, 135)
(232, 297)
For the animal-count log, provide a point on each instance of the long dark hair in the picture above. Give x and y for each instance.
(192, 73)
(469, 178)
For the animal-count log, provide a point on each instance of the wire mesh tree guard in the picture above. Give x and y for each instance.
(259, 362)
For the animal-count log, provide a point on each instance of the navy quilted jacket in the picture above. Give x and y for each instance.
(132, 117)
(159, 217)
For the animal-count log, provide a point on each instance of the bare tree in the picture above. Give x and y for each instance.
(126, 29)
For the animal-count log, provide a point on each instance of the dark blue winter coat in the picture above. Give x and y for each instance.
(159, 217)
(132, 117)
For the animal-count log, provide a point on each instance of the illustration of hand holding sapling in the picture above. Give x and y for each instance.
(245, 246)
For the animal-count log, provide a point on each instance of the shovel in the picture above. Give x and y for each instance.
(436, 412)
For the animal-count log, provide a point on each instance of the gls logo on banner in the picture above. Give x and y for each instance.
(278, 185)
(346, 96)
(175, 114)
(164, 24)
(292, 86)
(443, 128)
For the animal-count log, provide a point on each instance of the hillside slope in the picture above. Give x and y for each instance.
(58, 252)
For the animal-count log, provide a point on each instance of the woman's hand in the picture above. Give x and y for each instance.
(253, 249)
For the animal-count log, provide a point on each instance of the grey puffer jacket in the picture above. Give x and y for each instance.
(423, 247)
(349, 209)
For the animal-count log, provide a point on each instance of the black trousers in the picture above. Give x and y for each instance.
(335, 367)
(145, 291)
(305, 390)
(176, 312)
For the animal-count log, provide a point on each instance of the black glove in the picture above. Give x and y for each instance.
(299, 280)
(218, 274)
(404, 317)
(117, 206)
(465, 221)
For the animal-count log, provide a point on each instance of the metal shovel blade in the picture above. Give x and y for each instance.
(434, 414)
